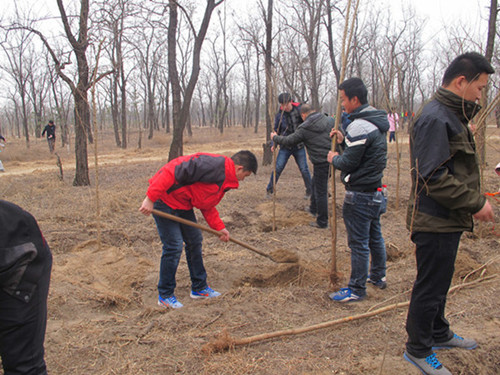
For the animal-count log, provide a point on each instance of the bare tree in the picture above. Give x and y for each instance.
(18, 67)
(181, 105)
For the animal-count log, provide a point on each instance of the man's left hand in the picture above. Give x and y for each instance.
(331, 155)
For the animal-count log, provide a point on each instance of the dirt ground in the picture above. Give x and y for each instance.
(103, 316)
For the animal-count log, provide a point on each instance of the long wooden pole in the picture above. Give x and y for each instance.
(216, 232)
(227, 341)
(334, 275)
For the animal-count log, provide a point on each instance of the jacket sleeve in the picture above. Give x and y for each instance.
(160, 183)
(290, 140)
(213, 219)
(44, 130)
(432, 154)
(354, 149)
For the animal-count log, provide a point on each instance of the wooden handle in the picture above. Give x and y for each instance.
(210, 230)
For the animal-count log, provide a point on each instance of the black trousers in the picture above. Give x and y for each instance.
(426, 323)
(22, 328)
(319, 196)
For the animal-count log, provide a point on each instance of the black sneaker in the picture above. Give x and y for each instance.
(314, 224)
(381, 284)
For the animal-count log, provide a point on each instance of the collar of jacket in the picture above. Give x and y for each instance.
(464, 109)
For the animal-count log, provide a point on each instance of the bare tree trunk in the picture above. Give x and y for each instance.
(268, 155)
(490, 43)
(181, 108)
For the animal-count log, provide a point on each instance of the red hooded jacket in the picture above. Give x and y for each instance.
(199, 180)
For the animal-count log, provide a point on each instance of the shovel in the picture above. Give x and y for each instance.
(279, 256)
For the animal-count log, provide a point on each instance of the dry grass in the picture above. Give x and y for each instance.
(103, 317)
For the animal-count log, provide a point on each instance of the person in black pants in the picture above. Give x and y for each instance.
(445, 196)
(25, 267)
(50, 129)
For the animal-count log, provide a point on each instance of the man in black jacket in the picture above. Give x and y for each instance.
(362, 165)
(50, 129)
(314, 132)
(286, 121)
(445, 195)
(25, 266)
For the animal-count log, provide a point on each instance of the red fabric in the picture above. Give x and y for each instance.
(202, 195)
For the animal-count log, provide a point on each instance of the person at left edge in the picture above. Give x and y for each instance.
(25, 267)
(199, 180)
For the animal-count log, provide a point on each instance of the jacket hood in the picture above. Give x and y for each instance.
(377, 117)
(312, 122)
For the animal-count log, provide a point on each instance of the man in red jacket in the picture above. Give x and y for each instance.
(199, 180)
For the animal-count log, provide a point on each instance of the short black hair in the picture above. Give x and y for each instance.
(354, 87)
(51, 121)
(470, 65)
(246, 159)
(284, 98)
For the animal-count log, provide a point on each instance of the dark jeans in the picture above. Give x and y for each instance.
(426, 324)
(392, 137)
(52, 144)
(22, 327)
(300, 157)
(319, 196)
(174, 235)
(361, 213)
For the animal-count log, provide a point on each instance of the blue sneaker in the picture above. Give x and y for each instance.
(456, 342)
(429, 365)
(169, 302)
(205, 293)
(345, 295)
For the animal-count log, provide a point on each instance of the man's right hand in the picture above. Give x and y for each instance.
(485, 213)
(147, 206)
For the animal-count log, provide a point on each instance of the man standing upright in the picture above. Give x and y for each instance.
(50, 129)
(444, 197)
(362, 165)
(287, 120)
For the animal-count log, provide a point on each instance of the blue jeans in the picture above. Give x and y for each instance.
(173, 235)
(319, 196)
(300, 158)
(362, 221)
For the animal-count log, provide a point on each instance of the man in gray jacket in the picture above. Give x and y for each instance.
(314, 132)
(362, 165)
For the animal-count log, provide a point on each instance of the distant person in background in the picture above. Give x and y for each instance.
(393, 125)
(25, 266)
(286, 121)
(50, 129)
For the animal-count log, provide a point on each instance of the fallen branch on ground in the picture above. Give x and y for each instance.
(224, 341)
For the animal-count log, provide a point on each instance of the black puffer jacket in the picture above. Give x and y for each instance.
(24, 254)
(365, 149)
(314, 133)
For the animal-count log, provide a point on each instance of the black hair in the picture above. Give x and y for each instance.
(470, 65)
(284, 98)
(354, 87)
(246, 159)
